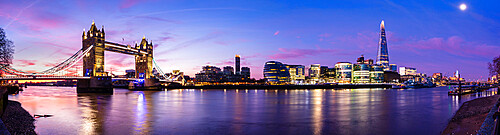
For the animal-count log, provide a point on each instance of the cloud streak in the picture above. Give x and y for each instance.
(301, 53)
(454, 45)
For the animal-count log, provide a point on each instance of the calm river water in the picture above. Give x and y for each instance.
(318, 111)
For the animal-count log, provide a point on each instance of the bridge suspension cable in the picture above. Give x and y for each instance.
(161, 75)
(60, 67)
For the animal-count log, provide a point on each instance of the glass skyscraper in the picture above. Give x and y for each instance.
(383, 54)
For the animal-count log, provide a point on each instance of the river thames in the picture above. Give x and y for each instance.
(318, 111)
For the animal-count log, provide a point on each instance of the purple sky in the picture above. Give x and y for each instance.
(432, 36)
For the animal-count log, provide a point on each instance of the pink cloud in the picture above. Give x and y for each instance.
(31, 17)
(129, 3)
(363, 40)
(24, 63)
(325, 35)
(277, 32)
(454, 45)
(231, 42)
(300, 53)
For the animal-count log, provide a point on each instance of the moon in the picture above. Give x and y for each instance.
(463, 7)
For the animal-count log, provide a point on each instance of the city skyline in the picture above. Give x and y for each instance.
(187, 37)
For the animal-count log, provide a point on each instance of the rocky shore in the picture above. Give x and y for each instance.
(470, 116)
(17, 120)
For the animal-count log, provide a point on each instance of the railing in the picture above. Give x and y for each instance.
(491, 125)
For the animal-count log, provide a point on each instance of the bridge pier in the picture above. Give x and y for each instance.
(97, 84)
(146, 84)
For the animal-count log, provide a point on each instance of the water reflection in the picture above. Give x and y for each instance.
(232, 111)
(317, 115)
(93, 112)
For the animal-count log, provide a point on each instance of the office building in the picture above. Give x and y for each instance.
(276, 72)
(245, 73)
(383, 54)
(210, 74)
(228, 70)
(407, 71)
(343, 72)
(237, 64)
(393, 67)
(297, 73)
(361, 73)
(330, 75)
(315, 73)
(377, 74)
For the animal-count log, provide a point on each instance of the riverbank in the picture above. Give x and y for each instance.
(470, 116)
(346, 86)
(17, 120)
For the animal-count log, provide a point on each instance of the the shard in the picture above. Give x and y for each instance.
(383, 54)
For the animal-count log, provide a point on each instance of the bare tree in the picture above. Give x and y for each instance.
(494, 66)
(6, 49)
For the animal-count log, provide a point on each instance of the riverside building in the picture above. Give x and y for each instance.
(383, 54)
(209, 74)
(297, 74)
(245, 73)
(276, 73)
(361, 73)
(377, 74)
(343, 72)
(407, 71)
(315, 73)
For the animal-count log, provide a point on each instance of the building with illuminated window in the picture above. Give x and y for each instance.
(314, 73)
(276, 72)
(362, 60)
(393, 67)
(361, 73)
(237, 64)
(377, 74)
(343, 72)
(330, 75)
(437, 78)
(407, 71)
(228, 70)
(130, 73)
(297, 73)
(383, 54)
(210, 74)
(245, 73)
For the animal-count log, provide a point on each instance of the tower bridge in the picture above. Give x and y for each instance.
(94, 78)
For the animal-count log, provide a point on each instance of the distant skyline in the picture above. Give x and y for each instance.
(432, 36)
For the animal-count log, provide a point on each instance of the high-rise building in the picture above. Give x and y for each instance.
(276, 72)
(237, 64)
(297, 73)
(383, 54)
(343, 72)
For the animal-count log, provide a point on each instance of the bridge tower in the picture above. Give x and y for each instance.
(144, 62)
(93, 62)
